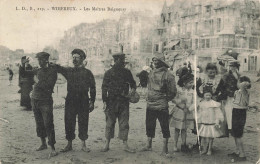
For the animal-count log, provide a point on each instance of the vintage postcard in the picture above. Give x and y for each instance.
(135, 81)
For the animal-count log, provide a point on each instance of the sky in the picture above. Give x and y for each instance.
(32, 30)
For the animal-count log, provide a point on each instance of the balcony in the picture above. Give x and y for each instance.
(240, 30)
(255, 31)
(186, 35)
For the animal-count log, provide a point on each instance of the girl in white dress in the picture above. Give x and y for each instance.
(209, 118)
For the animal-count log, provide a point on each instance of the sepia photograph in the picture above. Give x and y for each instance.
(129, 81)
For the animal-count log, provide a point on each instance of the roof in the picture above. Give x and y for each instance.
(172, 43)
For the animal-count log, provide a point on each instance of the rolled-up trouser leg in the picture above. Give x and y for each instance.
(123, 121)
(70, 120)
(163, 117)
(150, 122)
(46, 107)
(110, 124)
(40, 128)
(83, 119)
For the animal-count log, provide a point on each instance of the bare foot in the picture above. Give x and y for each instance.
(127, 149)
(106, 149)
(166, 155)
(146, 149)
(209, 153)
(53, 153)
(66, 149)
(203, 152)
(175, 149)
(85, 149)
(42, 147)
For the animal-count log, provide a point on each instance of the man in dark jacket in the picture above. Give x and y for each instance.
(115, 89)
(25, 82)
(80, 81)
(161, 90)
(42, 102)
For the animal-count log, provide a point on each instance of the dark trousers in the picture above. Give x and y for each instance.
(117, 109)
(43, 113)
(163, 117)
(26, 88)
(74, 107)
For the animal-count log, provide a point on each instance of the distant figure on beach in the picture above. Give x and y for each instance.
(25, 82)
(11, 74)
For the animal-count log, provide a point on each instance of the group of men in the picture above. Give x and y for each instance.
(81, 94)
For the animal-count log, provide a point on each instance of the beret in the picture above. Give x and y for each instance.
(42, 55)
(80, 52)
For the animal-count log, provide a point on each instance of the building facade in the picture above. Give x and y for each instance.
(208, 29)
(135, 31)
(98, 40)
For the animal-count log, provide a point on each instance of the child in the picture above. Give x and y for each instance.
(181, 115)
(11, 74)
(209, 117)
(240, 105)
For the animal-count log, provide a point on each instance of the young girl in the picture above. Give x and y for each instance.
(181, 115)
(209, 118)
(240, 105)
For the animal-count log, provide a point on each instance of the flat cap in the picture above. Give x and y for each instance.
(118, 55)
(42, 55)
(80, 52)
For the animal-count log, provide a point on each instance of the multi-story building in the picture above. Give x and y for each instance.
(208, 29)
(135, 30)
(98, 40)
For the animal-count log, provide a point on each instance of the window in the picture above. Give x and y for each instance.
(196, 43)
(135, 46)
(238, 43)
(219, 24)
(231, 41)
(225, 41)
(202, 43)
(156, 47)
(196, 28)
(136, 19)
(207, 43)
(244, 42)
(160, 32)
(253, 43)
(110, 51)
(258, 43)
(245, 61)
(208, 9)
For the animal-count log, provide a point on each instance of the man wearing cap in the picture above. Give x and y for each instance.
(42, 102)
(115, 90)
(161, 90)
(80, 81)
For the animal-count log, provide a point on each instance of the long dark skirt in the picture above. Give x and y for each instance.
(26, 88)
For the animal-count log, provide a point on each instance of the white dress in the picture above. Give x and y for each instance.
(209, 114)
